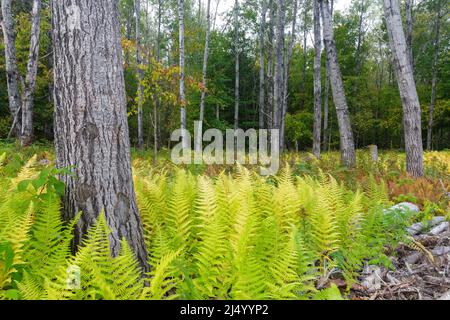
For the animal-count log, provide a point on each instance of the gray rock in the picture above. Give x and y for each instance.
(440, 250)
(403, 207)
(439, 228)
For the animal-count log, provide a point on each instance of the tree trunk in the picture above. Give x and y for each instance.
(347, 144)
(286, 75)
(434, 80)
(317, 81)
(409, 23)
(270, 67)
(198, 144)
(156, 115)
(183, 120)
(236, 53)
(139, 75)
(362, 9)
(262, 79)
(279, 66)
(91, 128)
(12, 72)
(26, 136)
(407, 88)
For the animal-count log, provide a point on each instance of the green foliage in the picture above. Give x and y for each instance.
(232, 237)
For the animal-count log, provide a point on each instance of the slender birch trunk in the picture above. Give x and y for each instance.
(198, 144)
(262, 77)
(409, 25)
(407, 88)
(91, 127)
(237, 67)
(182, 97)
(279, 65)
(317, 81)
(326, 118)
(270, 67)
(12, 71)
(286, 74)
(434, 79)
(139, 74)
(347, 145)
(156, 115)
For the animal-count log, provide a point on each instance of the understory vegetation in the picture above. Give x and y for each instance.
(228, 235)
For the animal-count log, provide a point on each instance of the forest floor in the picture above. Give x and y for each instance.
(421, 271)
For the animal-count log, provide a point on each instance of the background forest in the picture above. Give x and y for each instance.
(363, 52)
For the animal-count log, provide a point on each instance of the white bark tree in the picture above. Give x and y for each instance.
(317, 81)
(347, 145)
(182, 97)
(407, 87)
(237, 67)
(12, 71)
(26, 135)
(279, 66)
(262, 64)
(198, 144)
(140, 75)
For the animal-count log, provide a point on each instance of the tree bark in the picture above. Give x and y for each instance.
(26, 136)
(326, 133)
(198, 144)
(286, 75)
(347, 145)
(262, 76)
(409, 24)
(91, 128)
(279, 66)
(270, 67)
(407, 88)
(237, 67)
(156, 115)
(434, 79)
(139, 74)
(362, 9)
(183, 120)
(12, 71)
(317, 81)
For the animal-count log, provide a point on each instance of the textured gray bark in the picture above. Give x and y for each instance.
(407, 88)
(140, 74)
(286, 75)
(326, 133)
(182, 65)
(434, 79)
(12, 72)
(347, 145)
(409, 24)
(156, 115)
(91, 128)
(236, 53)
(262, 64)
(26, 135)
(270, 62)
(198, 143)
(317, 81)
(279, 66)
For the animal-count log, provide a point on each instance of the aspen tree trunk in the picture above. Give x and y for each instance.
(286, 75)
(182, 75)
(407, 88)
(434, 79)
(347, 145)
(305, 33)
(409, 24)
(26, 136)
(237, 67)
(139, 74)
(262, 64)
(91, 128)
(270, 67)
(326, 133)
(198, 144)
(279, 66)
(360, 35)
(12, 72)
(156, 115)
(317, 81)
